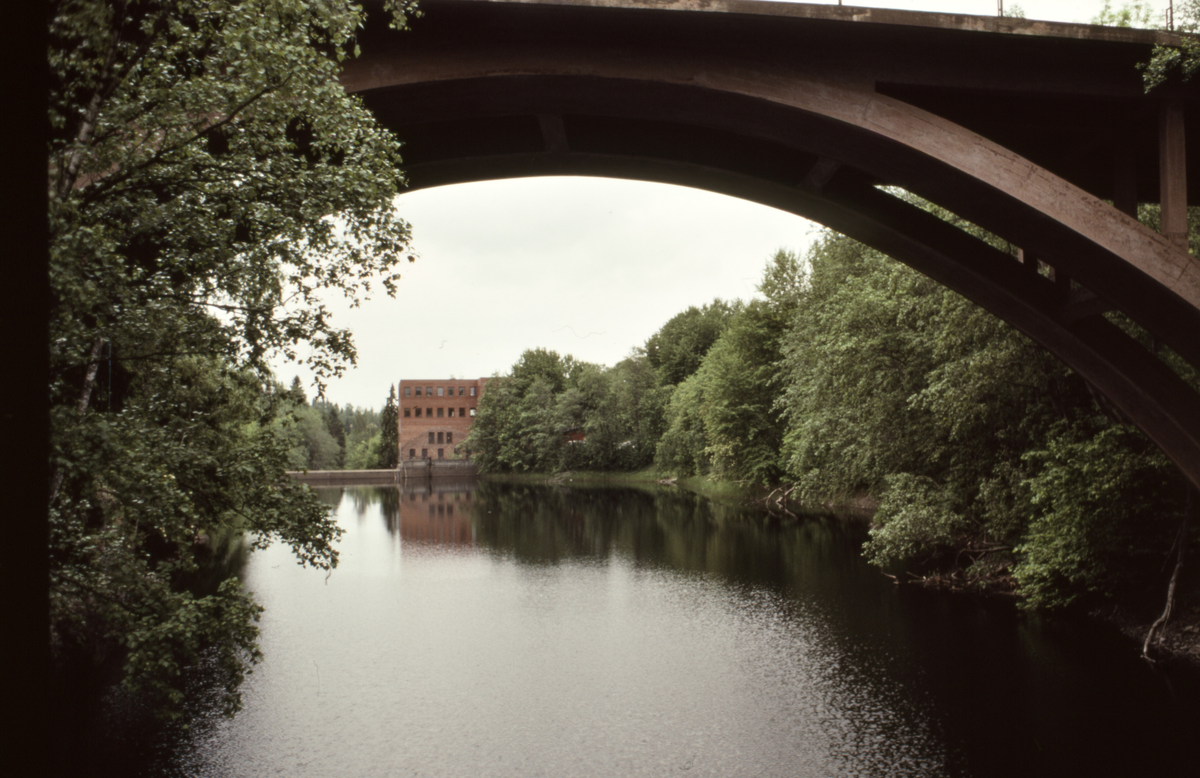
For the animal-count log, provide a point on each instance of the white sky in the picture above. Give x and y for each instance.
(588, 267)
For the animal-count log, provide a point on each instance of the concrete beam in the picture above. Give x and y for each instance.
(820, 173)
(553, 133)
(1172, 174)
(1081, 304)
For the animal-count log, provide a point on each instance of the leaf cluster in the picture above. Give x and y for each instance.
(210, 185)
(531, 419)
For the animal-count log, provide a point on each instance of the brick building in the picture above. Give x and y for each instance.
(435, 415)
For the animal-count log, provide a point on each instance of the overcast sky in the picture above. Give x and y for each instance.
(588, 267)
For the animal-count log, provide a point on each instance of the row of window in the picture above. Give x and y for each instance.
(410, 412)
(412, 452)
(449, 391)
(449, 438)
(441, 496)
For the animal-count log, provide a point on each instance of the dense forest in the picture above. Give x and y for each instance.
(856, 379)
(326, 436)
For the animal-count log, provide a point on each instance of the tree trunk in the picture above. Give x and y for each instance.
(1181, 546)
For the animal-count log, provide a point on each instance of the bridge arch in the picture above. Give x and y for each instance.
(586, 90)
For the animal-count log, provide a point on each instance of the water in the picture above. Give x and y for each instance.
(491, 630)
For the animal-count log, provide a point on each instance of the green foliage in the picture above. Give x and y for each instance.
(630, 418)
(1134, 13)
(363, 435)
(1107, 508)
(540, 364)
(363, 454)
(523, 419)
(1181, 61)
(855, 352)
(916, 516)
(722, 419)
(208, 181)
(683, 448)
(389, 433)
(744, 431)
(337, 430)
(310, 444)
(677, 349)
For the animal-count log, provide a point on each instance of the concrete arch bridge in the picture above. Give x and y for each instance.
(1040, 133)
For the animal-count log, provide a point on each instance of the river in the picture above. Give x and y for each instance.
(495, 630)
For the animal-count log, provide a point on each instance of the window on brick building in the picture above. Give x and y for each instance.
(408, 391)
(424, 453)
(472, 413)
(462, 411)
(449, 437)
(472, 391)
(440, 412)
(440, 438)
(439, 391)
(429, 391)
(412, 453)
(407, 412)
(430, 437)
(418, 413)
(418, 391)
(450, 412)
(461, 390)
(440, 454)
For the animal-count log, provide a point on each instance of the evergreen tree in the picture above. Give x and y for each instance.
(333, 421)
(389, 443)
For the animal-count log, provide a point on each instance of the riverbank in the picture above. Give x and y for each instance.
(859, 507)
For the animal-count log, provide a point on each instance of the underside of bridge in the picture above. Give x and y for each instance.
(1040, 133)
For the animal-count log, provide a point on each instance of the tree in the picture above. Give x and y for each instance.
(677, 349)
(629, 418)
(389, 441)
(723, 419)
(743, 428)
(540, 363)
(209, 179)
(336, 429)
(362, 437)
(1134, 13)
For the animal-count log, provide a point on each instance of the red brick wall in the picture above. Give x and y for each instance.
(414, 432)
(442, 517)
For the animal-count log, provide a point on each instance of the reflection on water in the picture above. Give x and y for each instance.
(499, 630)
